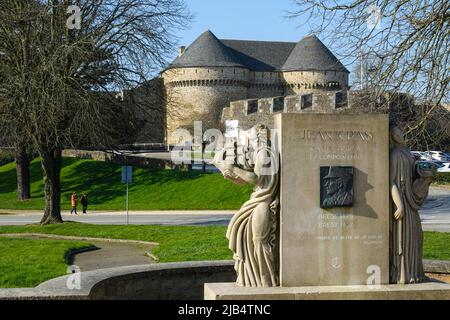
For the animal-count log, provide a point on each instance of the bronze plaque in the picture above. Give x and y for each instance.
(336, 186)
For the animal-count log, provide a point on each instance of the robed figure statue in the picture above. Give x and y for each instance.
(252, 230)
(409, 184)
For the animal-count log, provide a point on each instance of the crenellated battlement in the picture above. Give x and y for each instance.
(251, 111)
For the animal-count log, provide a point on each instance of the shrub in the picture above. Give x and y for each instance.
(442, 178)
(5, 157)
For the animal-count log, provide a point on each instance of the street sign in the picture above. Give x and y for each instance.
(127, 177)
(127, 174)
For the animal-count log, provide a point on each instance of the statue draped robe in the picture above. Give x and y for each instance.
(253, 242)
(406, 233)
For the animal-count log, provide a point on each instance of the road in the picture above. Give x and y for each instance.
(435, 215)
(148, 217)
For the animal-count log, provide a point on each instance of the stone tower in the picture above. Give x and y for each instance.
(201, 82)
(312, 68)
(210, 73)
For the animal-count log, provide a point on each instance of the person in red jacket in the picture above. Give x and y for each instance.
(74, 201)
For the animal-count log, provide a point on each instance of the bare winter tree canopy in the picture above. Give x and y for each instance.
(395, 46)
(407, 41)
(64, 60)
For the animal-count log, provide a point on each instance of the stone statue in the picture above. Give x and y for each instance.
(252, 232)
(338, 187)
(409, 185)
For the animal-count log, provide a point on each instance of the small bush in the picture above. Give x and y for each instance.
(5, 157)
(442, 178)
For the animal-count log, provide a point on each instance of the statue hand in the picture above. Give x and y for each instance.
(221, 162)
(398, 214)
(426, 173)
(274, 204)
(228, 172)
(426, 170)
(233, 177)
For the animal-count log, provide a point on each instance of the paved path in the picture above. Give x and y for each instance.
(200, 217)
(111, 255)
(435, 215)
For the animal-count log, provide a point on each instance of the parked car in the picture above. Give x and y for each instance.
(416, 155)
(429, 164)
(439, 156)
(439, 164)
(427, 155)
(444, 168)
(447, 154)
(420, 155)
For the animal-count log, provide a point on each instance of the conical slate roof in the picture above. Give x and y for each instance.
(311, 54)
(207, 51)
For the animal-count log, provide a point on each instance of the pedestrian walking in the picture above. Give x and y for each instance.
(74, 201)
(84, 202)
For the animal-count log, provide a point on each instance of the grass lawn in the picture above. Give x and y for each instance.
(29, 262)
(152, 189)
(177, 243)
(26, 263)
(436, 245)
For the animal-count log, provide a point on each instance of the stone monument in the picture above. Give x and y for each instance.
(252, 230)
(409, 185)
(335, 218)
(334, 199)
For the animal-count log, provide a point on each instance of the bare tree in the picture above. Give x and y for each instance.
(20, 150)
(72, 74)
(407, 40)
(23, 157)
(12, 133)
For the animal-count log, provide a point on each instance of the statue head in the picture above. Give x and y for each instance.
(258, 136)
(396, 136)
(336, 179)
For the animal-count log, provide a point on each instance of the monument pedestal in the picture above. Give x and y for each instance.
(334, 199)
(420, 291)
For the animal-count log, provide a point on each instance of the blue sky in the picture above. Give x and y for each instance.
(243, 19)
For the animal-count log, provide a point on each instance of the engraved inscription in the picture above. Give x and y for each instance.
(365, 239)
(332, 221)
(327, 135)
(334, 152)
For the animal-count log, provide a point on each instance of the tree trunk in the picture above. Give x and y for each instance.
(23, 173)
(51, 168)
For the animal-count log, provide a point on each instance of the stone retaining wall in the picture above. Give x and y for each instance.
(117, 159)
(181, 280)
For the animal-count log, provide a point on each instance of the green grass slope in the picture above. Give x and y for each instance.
(152, 189)
(26, 263)
(176, 243)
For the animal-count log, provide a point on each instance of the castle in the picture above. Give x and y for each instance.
(212, 73)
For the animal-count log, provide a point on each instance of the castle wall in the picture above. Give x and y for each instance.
(304, 82)
(265, 84)
(200, 94)
(243, 111)
(191, 76)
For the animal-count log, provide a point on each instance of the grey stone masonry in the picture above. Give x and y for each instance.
(245, 112)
